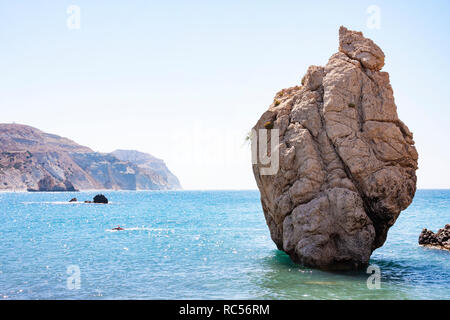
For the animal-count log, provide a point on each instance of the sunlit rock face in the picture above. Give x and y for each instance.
(347, 163)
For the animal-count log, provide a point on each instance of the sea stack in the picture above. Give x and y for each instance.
(347, 163)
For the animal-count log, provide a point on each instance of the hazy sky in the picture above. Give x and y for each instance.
(186, 80)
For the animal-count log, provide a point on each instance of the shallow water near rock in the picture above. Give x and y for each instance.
(195, 245)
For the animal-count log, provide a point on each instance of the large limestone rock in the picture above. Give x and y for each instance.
(346, 162)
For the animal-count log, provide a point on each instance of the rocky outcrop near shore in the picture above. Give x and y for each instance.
(347, 163)
(438, 240)
(37, 161)
(148, 163)
(50, 184)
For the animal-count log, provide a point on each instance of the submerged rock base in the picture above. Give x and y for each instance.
(346, 162)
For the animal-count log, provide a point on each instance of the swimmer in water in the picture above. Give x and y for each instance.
(118, 228)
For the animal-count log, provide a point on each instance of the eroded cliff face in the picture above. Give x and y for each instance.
(34, 160)
(347, 163)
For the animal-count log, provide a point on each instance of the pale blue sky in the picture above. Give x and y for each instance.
(186, 80)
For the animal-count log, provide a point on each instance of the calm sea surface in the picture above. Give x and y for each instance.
(194, 245)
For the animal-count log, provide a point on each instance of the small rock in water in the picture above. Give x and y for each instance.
(100, 199)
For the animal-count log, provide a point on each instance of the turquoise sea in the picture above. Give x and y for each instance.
(194, 245)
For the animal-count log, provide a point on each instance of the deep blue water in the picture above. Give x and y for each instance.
(195, 245)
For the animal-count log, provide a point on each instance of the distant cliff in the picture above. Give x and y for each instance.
(32, 159)
(147, 162)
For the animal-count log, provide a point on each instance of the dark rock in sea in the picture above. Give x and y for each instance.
(439, 240)
(100, 199)
(73, 200)
(49, 183)
(28, 154)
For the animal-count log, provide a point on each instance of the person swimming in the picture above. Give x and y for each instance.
(118, 228)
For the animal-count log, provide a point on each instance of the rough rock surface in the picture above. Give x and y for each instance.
(439, 240)
(100, 198)
(347, 163)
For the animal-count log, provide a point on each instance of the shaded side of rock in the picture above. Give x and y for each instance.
(28, 154)
(69, 186)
